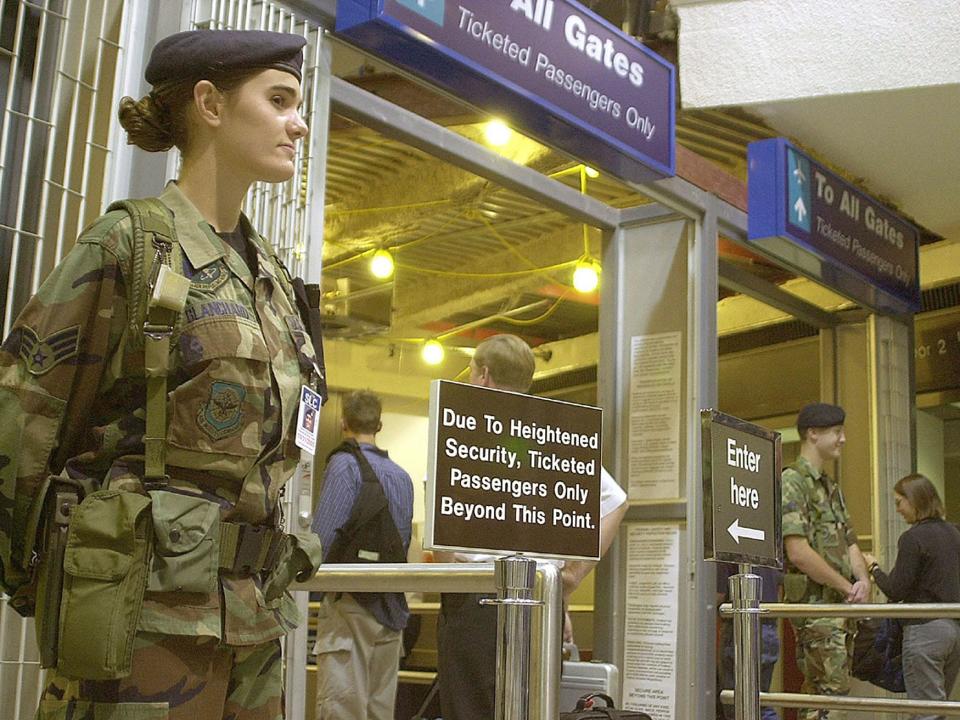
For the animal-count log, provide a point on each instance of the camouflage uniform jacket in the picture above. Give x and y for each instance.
(813, 506)
(72, 398)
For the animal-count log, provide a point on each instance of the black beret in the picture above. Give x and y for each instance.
(200, 53)
(820, 415)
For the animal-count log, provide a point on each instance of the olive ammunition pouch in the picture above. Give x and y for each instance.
(104, 579)
(794, 587)
(186, 552)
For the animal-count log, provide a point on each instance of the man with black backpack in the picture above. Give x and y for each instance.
(364, 514)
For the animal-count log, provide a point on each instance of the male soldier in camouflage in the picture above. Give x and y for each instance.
(824, 562)
(197, 530)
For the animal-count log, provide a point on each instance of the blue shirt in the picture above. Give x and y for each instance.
(341, 486)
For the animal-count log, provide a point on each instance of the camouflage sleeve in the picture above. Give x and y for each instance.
(796, 513)
(51, 366)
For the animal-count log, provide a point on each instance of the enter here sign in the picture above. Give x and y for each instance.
(741, 490)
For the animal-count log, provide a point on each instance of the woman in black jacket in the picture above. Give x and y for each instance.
(927, 570)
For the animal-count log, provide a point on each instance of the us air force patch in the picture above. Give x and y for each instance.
(222, 415)
(41, 356)
(211, 277)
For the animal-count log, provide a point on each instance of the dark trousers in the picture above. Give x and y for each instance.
(467, 657)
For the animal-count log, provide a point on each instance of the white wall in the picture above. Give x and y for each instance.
(743, 52)
(405, 438)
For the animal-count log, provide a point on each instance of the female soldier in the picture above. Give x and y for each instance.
(155, 378)
(927, 570)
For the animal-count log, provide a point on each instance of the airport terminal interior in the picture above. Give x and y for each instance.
(470, 253)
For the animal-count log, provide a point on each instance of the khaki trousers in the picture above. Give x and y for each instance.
(357, 663)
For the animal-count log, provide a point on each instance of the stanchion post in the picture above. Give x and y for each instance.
(745, 590)
(515, 577)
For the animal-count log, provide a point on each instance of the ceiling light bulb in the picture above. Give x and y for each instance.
(432, 352)
(586, 276)
(591, 172)
(381, 264)
(497, 133)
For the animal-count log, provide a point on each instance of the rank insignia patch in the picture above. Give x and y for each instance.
(41, 356)
(222, 415)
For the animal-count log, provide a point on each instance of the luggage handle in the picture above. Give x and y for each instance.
(583, 702)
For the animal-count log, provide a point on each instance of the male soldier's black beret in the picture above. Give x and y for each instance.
(820, 415)
(199, 53)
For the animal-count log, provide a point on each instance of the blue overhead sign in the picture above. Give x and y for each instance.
(825, 228)
(551, 68)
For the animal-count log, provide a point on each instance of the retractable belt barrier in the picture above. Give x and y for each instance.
(862, 610)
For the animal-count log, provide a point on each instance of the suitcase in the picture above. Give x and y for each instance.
(579, 678)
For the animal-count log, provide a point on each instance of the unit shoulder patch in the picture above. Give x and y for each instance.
(222, 414)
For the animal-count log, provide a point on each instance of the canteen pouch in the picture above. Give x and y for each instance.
(104, 580)
(794, 587)
(300, 556)
(186, 551)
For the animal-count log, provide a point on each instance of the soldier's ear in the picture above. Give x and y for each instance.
(208, 101)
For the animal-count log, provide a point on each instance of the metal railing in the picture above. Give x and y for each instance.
(863, 610)
(468, 578)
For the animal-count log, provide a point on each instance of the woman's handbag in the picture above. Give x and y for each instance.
(586, 710)
(877, 652)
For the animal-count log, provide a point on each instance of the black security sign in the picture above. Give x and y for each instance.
(741, 490)
(512, 473)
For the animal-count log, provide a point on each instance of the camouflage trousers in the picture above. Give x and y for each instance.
(824, 650)
(177, 678)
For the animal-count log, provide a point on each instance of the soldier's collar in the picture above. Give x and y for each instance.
(200, 244)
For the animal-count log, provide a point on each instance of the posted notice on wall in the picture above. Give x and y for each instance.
(511, 472)
(653, 597)
(654, 468)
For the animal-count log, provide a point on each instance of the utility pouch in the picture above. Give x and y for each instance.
(105, 576)
(59, 506)
(794, 587)
(300, 556)
(186, 550)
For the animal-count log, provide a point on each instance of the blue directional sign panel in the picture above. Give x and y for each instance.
(552, 69)
(825, 228)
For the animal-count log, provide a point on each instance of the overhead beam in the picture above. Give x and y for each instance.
(400, 124)
(426, 300)
(739, 280)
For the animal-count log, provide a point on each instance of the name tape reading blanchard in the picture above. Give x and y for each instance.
(512, 473)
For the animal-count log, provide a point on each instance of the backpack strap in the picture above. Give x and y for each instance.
(157, 296)
(352, 447)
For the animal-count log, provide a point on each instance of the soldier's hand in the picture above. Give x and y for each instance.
(860, 592)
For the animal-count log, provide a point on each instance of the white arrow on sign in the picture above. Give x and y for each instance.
(737, 532)
(800, 208)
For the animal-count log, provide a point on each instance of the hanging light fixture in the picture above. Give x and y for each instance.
(497, 133)
(381, 264)
(432, 352)
(586, 275)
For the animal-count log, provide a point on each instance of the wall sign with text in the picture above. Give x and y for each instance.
(551, 68)
(827, 229)
(510, 472)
